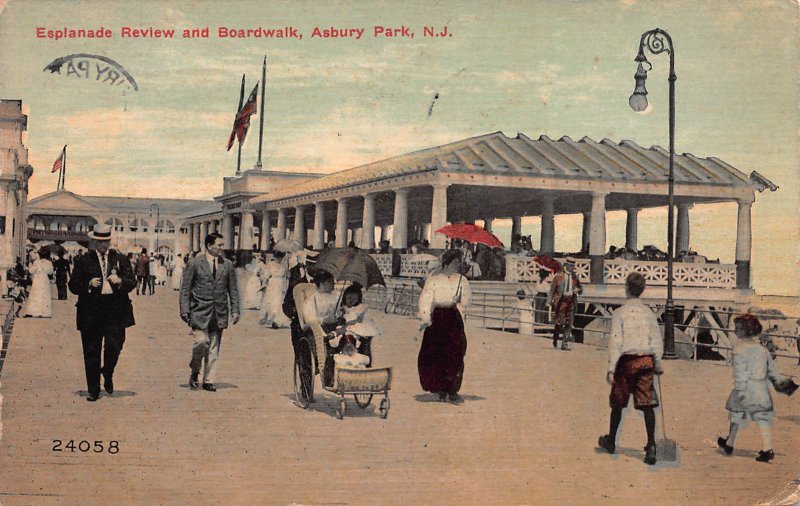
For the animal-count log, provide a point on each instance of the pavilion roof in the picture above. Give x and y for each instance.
(585, 159)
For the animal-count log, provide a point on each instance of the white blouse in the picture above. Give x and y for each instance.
(318, 308)
(443, 290)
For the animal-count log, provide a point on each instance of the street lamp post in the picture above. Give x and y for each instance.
(658, 41)
(158, 220)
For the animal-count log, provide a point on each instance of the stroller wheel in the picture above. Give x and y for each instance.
(363, 400)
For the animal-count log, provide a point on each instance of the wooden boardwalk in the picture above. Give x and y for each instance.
(526, 433)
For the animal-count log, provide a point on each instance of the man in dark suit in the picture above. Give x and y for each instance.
(208, 292)
(61, 266)
(102, 280)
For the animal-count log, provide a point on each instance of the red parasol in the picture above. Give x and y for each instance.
(548, 262)
(471, 233)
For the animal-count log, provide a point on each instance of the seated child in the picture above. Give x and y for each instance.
(349, 357)
(357, 326)
(357, 321)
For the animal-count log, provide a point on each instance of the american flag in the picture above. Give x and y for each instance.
(242, 121)
(59, 163)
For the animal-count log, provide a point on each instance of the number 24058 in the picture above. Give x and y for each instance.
(85, 446)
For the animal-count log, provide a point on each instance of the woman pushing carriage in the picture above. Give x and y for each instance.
(337, 332)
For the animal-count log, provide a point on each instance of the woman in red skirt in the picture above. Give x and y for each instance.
(444, 344)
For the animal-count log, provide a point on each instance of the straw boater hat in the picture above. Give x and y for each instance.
(569, 261)
(100, 232)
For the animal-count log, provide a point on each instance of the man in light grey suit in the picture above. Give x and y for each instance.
(208, 292)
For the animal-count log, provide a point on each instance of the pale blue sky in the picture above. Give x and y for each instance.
(547, 67)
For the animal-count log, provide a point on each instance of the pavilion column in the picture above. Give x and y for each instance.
(516, 226)
(385, 232)
(400, 230)
(682, 232)
(266, 231)
(743, 245)
(227, 231)
(368, 223)
(190, 227)
(214, 226)
(300, 225)
(632, 229)
(487, 224)
(204, 230)
(246, 231)
(587, 227)
(547, 242)
(199, 242)
(341, 223)
(281, 225)
(438, 215)
(597, 237)
(319, 226)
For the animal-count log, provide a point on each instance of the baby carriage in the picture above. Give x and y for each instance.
(360, 269)
(362, 383)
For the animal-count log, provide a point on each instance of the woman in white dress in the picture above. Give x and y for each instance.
(40, 300)
(161, 271)
(177, 273)
(251, 296)
(276, 278)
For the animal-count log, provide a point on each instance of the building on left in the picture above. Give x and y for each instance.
(155, 224)
(14, 174)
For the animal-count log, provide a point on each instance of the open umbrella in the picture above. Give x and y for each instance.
(471, 233)
(349, 264)
(548, 262)
(287, 246)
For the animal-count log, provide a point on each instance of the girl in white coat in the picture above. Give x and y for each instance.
(753, 370)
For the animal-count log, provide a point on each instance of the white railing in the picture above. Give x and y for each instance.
(384, 261)
(408, 268)
(525, 269)
(413, 268)
(684, 274)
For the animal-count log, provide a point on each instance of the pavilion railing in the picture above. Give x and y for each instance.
(522, 269)
(707, 275)
(384, 261)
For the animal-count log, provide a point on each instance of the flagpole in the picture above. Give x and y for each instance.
(64, 168)
(239, 159)
(241, 101)
(261, 119)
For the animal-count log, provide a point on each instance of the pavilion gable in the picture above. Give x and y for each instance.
(61, 200)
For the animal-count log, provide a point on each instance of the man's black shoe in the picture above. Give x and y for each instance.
(723, 443)
(193, 382)
(765, 456)
(209, 387)
(606, 442)
(92, 397)
(650, 455)
(108, 385)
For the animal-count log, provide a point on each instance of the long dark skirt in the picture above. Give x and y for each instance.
(441, 357)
